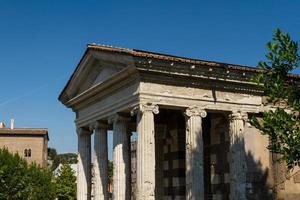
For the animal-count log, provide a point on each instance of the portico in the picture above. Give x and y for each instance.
(182, 110)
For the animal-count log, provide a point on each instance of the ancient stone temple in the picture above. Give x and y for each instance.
(194, 140)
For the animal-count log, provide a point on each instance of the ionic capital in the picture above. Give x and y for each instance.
(145, 107)
(83, 131)
(238, 115)
(118, 118)
(195, 111)
(98, 125)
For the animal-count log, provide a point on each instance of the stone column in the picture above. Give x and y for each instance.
(100, 162)
(237, 161)
(121, 180)
(194, 154)
(84, 164)
(146, 151)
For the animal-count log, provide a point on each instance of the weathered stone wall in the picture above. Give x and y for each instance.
(290, 188)
(267, 178)
(259, 169)
(170, 155)
(174, 164)
(18, 144)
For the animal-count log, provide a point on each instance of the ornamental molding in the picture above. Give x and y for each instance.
(118, 118)
(195, 111)
(83, 131)
(145, 107)
(238, 115)
(98, 125)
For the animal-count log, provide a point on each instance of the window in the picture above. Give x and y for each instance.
(27, 152)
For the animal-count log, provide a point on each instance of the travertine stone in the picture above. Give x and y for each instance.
(238, 167)
(121, 174)
(194, 154)
(100, 162)
(84, 164)
(146, 151)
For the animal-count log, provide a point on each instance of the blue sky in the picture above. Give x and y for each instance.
(41, 43)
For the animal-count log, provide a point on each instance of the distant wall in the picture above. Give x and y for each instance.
(18, 144)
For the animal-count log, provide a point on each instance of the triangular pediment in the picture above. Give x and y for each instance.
(97, 74)
(94, 68)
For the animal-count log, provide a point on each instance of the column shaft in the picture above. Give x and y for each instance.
(121, 181)
(194, 154)
(237, 163)
(146, 152)
(100, 163)
(84, 165)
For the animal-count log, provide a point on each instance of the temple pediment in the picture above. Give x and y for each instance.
(94, 68)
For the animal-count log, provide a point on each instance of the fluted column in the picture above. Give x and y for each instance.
(146, 151)
(84, 164)
(237, 162)
(100, 162)
(121, 180)
(194, 154)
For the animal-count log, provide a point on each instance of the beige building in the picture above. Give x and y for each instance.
(29, 143)
(194, 140)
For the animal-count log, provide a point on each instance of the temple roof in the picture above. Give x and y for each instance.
(168, 57)
(141, 58)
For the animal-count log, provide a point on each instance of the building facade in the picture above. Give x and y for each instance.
(194, 140)
(30, 143)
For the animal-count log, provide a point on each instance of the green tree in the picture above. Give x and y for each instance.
(110, 173)
(40, 183)
(281, 124)
(66, 183)
(19, 181)
(110, 170)
(56, 159)
(70, 158)
(13, 176)
(52, 155)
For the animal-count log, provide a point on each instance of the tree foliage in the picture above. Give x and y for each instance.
(110, 170)
(21, 181)
(66, 183)
(281, 124)
(56, 159)
(13, 176)
(70, 158)
(40, 183)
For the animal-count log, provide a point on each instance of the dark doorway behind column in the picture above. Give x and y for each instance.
(207, 162)
(170, 154)
(216, 151)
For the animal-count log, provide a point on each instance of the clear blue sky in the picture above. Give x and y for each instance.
(41, 43)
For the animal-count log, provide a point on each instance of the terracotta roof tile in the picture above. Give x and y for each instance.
(167, 57)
